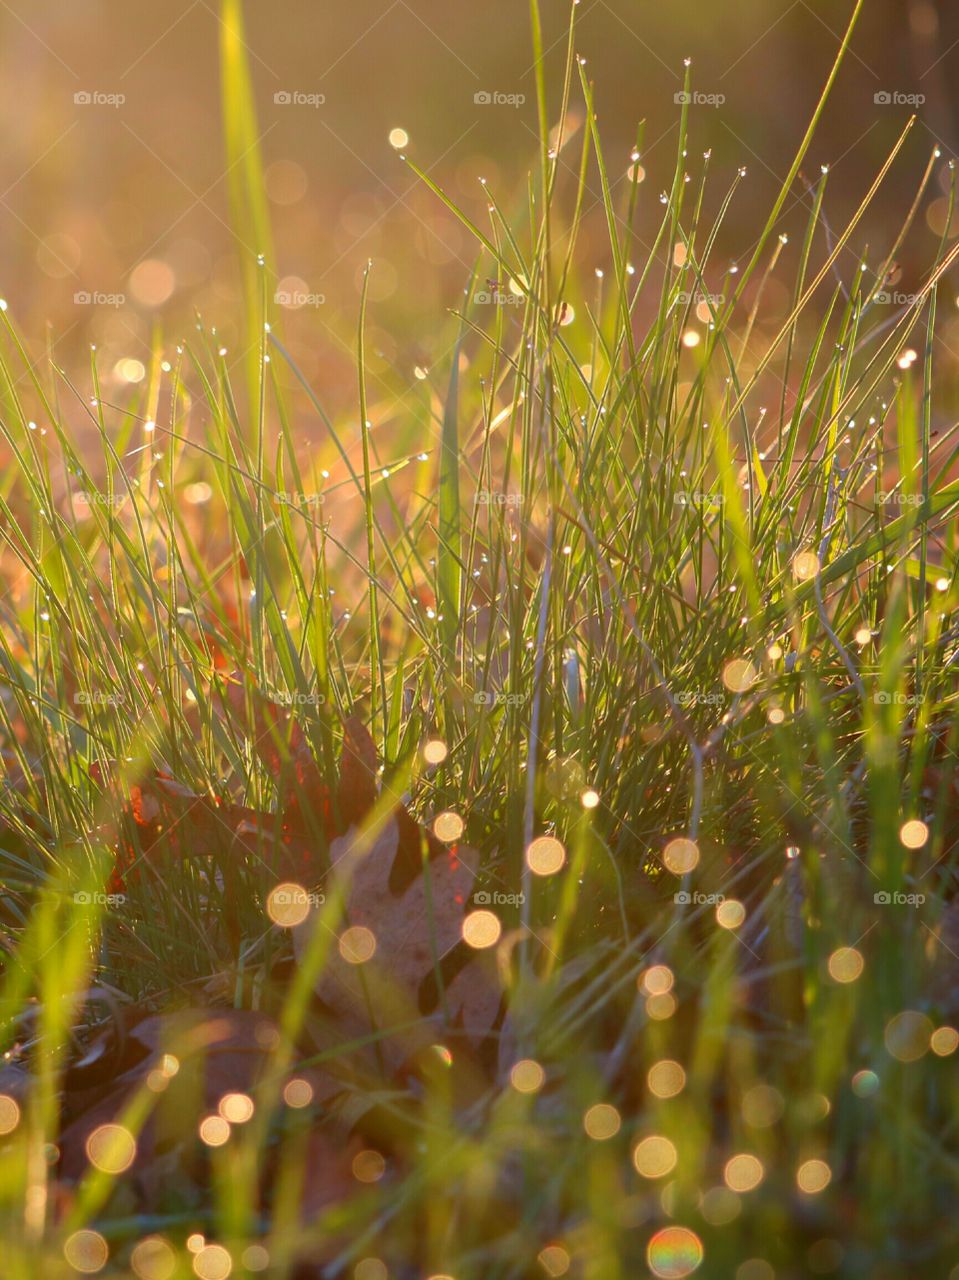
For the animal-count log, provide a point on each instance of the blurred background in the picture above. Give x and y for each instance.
(114, 210)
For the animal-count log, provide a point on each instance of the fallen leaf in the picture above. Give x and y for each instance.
(419, 971)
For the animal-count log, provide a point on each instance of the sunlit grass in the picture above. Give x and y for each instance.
(649, 599)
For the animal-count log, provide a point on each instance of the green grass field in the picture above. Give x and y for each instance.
(642, 607)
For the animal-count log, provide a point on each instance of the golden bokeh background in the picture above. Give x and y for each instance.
(114, 212)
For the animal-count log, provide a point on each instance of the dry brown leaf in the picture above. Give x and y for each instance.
(416, 927)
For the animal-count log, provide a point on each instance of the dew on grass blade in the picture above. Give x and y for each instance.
(666, 1079)
(655, 1156)
(602, 1122)
(481, 929)
(554, 1260)
(368, 1166)
(545, 856)
(762, 1106)
(236, 1108)
(435, 751)
(86, 1251)
(674, 1252)
(111, 1148)
(755, 1269)
(743, 1172)
(730, 914)
(657, 980)
(720, 1206)
(908, 1035)
(9, 1114)
(153, 1258)
(214, 1131)
(865, 1084)
(913, 834)
(813, 1176)
(288, 905)
(739, 675)
(357, 944)
(846, 965)
(527, 1076)
(213, 1262)
(448, 826)
(681, 856)
(370, 1269)
(298, 1093)
(806, 566)
(944, 1041)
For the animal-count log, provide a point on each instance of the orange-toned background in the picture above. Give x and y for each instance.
(131, 199)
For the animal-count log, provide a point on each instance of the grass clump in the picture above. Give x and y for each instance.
(636, 567)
